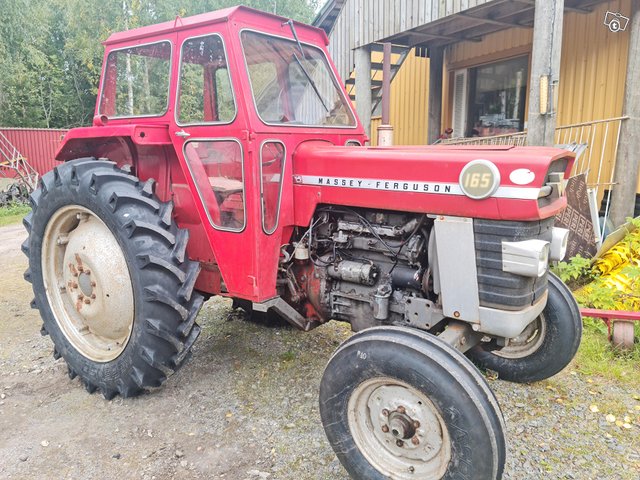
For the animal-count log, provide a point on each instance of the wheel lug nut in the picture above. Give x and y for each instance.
(93, 296)
(93, 284)
(400, 443)
(385, 412)
(80, 268)
(401, 410)
(74, 285)
(80, 297)
(385, 429)
(87, 271)
(415, 440)
(87, 301)
(416, 424)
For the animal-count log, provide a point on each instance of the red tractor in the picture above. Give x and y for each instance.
(226, 159)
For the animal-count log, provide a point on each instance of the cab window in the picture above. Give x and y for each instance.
(205, 94)
(217, 168)
(272, 162)
(293, 83)
(136, 81)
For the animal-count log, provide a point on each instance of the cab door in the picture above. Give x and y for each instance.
(211, 140)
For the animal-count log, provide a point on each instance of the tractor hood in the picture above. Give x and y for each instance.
(526, 182)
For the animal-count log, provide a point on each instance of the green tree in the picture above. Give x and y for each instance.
(51, 52)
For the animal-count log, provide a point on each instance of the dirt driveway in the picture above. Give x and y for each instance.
(245, 407)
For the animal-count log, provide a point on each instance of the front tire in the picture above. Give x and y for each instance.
(402, 404)
(545, 347)
(110, 277)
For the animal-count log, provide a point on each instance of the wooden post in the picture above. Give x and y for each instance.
(545, 62)
(386, 83)
(363, 86)
(623, 193)
(436, 60)
(385, 129)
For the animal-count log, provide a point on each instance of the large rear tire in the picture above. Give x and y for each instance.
(545, 347)
(110, 277)
(399, 403)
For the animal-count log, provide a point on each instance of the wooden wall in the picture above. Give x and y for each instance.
(362, 22)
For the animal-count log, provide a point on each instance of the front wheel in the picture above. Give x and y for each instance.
(402, 404)
(545, 347)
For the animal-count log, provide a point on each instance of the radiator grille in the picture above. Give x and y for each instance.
(498, 289)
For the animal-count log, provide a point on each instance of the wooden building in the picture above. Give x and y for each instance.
(502, 71)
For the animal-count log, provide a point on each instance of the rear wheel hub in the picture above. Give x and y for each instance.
(88, 283)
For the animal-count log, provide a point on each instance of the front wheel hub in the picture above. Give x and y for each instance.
(402, 426)
(399, 430)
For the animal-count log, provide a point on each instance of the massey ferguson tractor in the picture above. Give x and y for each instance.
(226, 159)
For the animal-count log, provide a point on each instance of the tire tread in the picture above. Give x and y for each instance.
(169, 306)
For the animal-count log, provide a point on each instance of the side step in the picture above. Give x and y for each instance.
(287, 312)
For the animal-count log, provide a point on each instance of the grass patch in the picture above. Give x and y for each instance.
(13, 213)
(597, 356)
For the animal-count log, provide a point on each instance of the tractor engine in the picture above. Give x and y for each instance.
(361, 266)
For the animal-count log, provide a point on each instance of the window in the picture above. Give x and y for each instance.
(205, 93)
(216, 166)
(136, 81)
(264, 83)
(291, 85)
(272, 161)
(497, 98)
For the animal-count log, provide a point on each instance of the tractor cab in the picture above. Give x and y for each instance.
(235, 92)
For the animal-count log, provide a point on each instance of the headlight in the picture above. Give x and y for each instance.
(529, 258)
(479, 179)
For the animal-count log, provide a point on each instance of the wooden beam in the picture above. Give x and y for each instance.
(436, 62)
(363, 87)
(566, 7)
(435, 36)
(492, 21)
(545, 66)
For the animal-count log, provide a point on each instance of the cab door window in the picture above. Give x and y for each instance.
(272, 160)
(216, 167)
(205, 94)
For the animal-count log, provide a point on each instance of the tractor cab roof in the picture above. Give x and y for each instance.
(267, 22)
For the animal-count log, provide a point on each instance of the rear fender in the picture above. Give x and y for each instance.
(150, 153)
(120, 140)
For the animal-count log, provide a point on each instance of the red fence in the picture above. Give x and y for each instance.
(37, 145)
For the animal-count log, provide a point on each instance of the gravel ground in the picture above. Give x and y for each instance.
(245, 407)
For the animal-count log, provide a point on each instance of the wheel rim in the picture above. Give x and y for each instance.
(528, 342)
(399, 430)
(87, 283)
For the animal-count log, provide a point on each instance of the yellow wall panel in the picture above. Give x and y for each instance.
(592, 79)
(495, 46)
(409, 102)
(593, 68)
